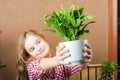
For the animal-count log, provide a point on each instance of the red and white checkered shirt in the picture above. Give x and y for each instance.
(61, 72)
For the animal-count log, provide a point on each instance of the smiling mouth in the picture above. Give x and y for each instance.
(41, 51)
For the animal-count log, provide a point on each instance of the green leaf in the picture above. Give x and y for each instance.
(81, 11)
(72, 7)
(78, 23)
(86, 31)
(90, 17)
(51, 30)
(63, 8)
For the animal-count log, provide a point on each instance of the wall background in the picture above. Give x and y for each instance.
(17, 16)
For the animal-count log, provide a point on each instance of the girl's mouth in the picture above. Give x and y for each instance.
(42, 50)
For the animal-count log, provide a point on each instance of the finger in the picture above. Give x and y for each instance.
(61, 58)
(65, 56)
(65, 63)
(89, 51)
(87, 60)
(88, 46)
(60, 48)
(64, 51)
(87, 56)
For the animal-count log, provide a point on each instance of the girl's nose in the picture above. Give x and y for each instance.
(38, 47)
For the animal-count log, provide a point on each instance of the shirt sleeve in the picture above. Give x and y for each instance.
(34, 69)
(73, 69)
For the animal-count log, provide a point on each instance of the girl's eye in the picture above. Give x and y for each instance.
(38, 41)
(31, 49)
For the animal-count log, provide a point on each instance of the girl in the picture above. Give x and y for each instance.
(36, 60)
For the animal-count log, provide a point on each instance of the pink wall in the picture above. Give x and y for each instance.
(16, 16)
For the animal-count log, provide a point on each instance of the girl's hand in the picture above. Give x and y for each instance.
(61, 54)
(88, 55)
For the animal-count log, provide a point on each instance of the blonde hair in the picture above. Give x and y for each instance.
(23, 58)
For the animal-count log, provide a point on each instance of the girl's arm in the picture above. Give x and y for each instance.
(61, 54)
(47, 63)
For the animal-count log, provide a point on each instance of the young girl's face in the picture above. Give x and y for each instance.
(36, 47)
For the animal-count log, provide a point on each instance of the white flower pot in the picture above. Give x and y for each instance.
(76, 51)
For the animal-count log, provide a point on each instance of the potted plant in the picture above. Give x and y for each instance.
(70, 24)
(109, 71)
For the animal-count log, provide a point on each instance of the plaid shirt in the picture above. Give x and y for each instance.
(60, 72)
